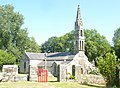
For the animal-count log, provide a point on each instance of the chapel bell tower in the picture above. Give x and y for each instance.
(79, 33)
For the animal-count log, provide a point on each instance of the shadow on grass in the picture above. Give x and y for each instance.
(52, 81)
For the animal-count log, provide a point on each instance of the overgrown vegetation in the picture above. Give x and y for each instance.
(107, 66)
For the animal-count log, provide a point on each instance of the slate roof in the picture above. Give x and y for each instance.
(59, 54)
(50, 56)
(55, 58)
(35, 56)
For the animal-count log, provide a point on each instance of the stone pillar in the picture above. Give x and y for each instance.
(78, 72)
(33, 73)
(61, 73)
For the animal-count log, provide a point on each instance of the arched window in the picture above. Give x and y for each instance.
(81, 34)
(81, 70)
(80, 45)
(73, 70)
(76, 44)
(24, 66)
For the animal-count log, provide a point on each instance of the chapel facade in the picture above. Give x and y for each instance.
(30, 61)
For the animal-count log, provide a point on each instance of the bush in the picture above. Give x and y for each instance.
(72, 77)
(6, 59)
(114, 87)
(107, 66)
(94, 72)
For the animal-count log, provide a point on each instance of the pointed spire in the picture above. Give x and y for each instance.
(79, 33)
(78, 18)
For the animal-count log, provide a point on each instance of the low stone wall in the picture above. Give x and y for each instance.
(22, 78)
(93, 79)
(10, 73)
(97, 79)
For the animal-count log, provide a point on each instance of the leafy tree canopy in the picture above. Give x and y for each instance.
(116, 40)
(13, 38)
(6, 58)
(95, 44)
(59, 44)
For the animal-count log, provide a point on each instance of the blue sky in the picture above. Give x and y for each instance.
(47, 18)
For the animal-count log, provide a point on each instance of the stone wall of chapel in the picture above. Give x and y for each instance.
(24, 64)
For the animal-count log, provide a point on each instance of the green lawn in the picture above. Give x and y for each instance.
(25, 84)
(72, 85)
(51, 84)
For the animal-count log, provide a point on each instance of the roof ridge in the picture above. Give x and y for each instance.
(27, 55)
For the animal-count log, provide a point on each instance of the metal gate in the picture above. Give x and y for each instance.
(42, 75)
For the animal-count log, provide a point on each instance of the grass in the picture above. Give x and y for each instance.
(51, 84)
(53, 81)
(72, 85)
(25, 84)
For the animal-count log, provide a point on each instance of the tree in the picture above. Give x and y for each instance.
(6, 58)
(95, 44)
(32, 45)
(13, 38)
(47, 46)
(10, 24)
(107, 66)
(63, 43)
(116, 41)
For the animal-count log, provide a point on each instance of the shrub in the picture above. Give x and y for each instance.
(72, 77)
(6, 58)
(94, 72)
(107, 66)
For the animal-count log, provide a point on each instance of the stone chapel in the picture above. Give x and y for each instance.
(30, 61)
